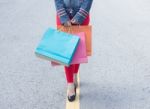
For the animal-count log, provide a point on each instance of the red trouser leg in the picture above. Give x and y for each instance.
(69, 71)
(76, 68)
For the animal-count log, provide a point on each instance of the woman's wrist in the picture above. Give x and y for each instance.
(74, 22)
(68, 23)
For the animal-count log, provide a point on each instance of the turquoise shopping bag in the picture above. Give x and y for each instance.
(57, 46)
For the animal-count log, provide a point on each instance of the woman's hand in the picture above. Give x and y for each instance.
(67, 24)
(74, 22)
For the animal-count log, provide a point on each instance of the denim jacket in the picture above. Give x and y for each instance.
(74, 9)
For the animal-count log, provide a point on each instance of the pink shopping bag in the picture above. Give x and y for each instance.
(80, 55)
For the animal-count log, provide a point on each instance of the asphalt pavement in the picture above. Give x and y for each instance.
(116, 77)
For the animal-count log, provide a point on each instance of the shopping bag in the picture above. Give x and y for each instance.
(80, 55)
(57, 46)
(76, 29)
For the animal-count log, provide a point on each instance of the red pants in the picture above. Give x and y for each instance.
(75, 67)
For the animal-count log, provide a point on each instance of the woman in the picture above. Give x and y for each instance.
(72, 12)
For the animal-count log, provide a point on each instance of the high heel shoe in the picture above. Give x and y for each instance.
(71, 92)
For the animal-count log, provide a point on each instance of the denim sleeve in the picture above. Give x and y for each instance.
(83, 11)
(61, 11)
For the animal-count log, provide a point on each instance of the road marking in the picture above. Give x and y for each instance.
(75, 104)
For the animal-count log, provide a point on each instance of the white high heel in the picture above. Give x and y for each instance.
(71, 92)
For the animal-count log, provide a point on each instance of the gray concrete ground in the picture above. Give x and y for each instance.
(116, 77)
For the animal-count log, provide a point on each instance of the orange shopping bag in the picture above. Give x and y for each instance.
(76, 29)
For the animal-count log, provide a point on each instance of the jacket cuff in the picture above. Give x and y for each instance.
(81, 16)
(63, 15)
